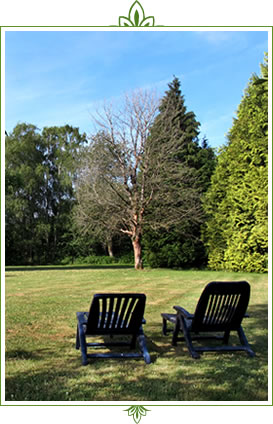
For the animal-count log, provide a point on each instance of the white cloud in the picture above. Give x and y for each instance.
(217, 36)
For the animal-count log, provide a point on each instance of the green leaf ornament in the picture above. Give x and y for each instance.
(137, 412)
(136, 17)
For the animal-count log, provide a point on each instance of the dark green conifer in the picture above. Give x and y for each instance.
(185, 167)
(236, 203)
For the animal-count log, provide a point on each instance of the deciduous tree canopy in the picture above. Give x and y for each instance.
(40, 168)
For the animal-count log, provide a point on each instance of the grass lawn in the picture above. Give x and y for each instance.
(42, 363)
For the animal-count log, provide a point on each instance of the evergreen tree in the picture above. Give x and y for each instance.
(176, 131)
(175, 124)
(236, 203)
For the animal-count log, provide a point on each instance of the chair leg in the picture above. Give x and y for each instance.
(244, 342)
(164, 326)
(175, 332)
(143, 347)
(83, 345)
(188, 339)
(77, 338)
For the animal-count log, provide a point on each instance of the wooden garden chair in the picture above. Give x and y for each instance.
(120, 315)
(220, 309)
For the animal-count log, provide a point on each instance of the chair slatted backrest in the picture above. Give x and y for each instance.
(116, 313)
(221, 306)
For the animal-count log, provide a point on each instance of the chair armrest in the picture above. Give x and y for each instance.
(82, 318)
(183, 312)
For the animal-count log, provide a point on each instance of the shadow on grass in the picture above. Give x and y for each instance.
(233, 379)
(254, 327)
(65, 267)
(172, 376)
(25, 354)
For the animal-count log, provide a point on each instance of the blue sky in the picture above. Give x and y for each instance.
(60, 77)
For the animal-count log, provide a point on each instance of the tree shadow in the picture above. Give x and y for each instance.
(255, 327)
(24, 354)
(172, 376)
(119, 380)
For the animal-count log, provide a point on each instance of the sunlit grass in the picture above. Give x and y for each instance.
(42, 363)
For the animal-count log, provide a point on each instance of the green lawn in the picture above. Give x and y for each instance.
(42, 363)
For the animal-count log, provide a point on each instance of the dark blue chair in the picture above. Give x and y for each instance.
(115, 315)
(220, 309)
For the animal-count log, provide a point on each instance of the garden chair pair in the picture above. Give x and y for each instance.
(220, 309)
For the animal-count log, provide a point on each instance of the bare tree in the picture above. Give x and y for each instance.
(123, 172)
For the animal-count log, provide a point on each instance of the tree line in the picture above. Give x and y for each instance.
(144, 184)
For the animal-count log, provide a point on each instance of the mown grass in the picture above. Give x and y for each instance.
(42, 363)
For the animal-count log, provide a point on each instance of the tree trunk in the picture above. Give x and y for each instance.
(110, 249)
(137, 252)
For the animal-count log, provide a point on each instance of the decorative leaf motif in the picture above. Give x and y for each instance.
(148, 21)
(136, 17)
(137, 412)
(136, 13)
(125, 22)
(131, 410)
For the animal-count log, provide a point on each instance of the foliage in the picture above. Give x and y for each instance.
(183, 175)
(98, 260)
(236, 231)
(173, 249)
(95, 260)
(24, 177)
(40, 173)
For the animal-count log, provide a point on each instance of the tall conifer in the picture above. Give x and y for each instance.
(236, 203)
(188, 165)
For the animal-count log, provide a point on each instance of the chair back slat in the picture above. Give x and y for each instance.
(226, 313)
(122, 311)
(109, 316)
(221, 306)
(129, 312)
(211, 308)
(116, 313)
(103, 310)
